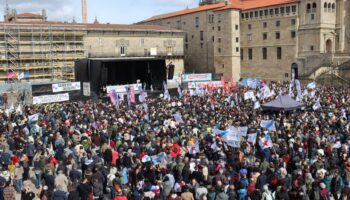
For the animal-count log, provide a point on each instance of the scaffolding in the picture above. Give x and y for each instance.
(46, 52)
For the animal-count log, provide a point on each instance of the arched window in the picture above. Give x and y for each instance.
(325, 7)
(333, 7)
(308, 8)
(329, 7)
(314, 6)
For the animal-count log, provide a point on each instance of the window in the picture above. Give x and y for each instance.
(219, 18)
(312, 16)
(311, 48)
(186, 37)
(261, 13)
(201, 35)
(292, 34)
(246, 15)
(278, 23)
(264, 36)
(250, 54)
(202, 45)
(264, 53)
(186, 46)
(278, 35)
(279, 53)
(223, 65)
(277, 11)
(142, 41)
(192, 36)
(197, 22)
(219, 50)
(249, 36)
(169, 50)
(251, 14)
(219, 40)
(329, 7)
(333, 7)
(122, 51)
(213, 28)
(293, 22)
(237, 39)
(271, 11)
(314, 6)
(236, 26)
(219, 28)
(213, 38)
(286, 75)
(242, 55)
(211, 19)
(282, 10)
(288, 9)
(256, 14)
(294, 9)
(265, 24)
(308, 8)
(242, 15)
(325, 7)
(178, 24)
(249, 26)
(237, 49)
(266, 12)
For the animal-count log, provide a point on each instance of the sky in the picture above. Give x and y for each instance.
(106, 11)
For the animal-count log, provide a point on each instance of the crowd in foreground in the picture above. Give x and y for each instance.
(87, 150)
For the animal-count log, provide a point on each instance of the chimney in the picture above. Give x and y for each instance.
(84, 11)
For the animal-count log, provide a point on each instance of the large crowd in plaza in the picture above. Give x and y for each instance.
(178, 148)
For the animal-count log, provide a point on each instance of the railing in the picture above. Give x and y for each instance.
(135, 54)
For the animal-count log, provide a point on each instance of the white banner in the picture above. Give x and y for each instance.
(51, 98)
(122, 88)
(214, 84)
(65, 87)
(86, 89)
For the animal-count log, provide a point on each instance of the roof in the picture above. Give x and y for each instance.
(186, 11)
(234, 4)
(28, 15)
(123, 27)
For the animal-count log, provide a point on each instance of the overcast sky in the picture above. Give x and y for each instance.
(112, 11)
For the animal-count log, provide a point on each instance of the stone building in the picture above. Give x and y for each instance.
(48, 50)
(267, 39)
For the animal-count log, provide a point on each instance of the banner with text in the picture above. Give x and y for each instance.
(196, 77)
(122, 88)
(51, 98)
(65, 87)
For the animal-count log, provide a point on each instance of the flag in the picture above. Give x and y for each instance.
(249, 95)
(233, 143)
(297, 85)
(23, 75)
(178, 118)
(11, 74)
(166, 91)
(114, 97)
(252, 138)
(128, 95)
(242, 130)
(142, 96)
(179, 91)
(33, 118)
(256, 105)
(132, 94)
(291, 89)
(317, 105)
(268, 124)
(266, 141)
(311, 85)
(158, 159)
(193, 149)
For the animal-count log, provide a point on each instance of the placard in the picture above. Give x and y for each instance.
(86, 89)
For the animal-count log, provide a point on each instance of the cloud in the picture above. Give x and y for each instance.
(56, 9)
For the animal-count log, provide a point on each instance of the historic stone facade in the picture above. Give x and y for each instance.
(263, 39)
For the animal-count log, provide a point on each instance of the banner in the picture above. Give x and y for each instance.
(249, 95)
(33, 118)
(132, 94)
(121, 89)
(51, 98)
(311, 85)
(317, 105)
(86, 89)
(178, 118)
(193, 149)
(243, 131)
(196, 77)
(266, 141)
(23, 75)
(65, 87)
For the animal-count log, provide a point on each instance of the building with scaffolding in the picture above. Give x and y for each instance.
(48, 50)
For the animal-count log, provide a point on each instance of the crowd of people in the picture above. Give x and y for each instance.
(97, 150)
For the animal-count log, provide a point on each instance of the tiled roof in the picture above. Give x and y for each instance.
(234, 4)
(28, 15)
(186, 11)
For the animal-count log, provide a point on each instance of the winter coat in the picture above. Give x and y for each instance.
(59, 195)
(62, 181)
